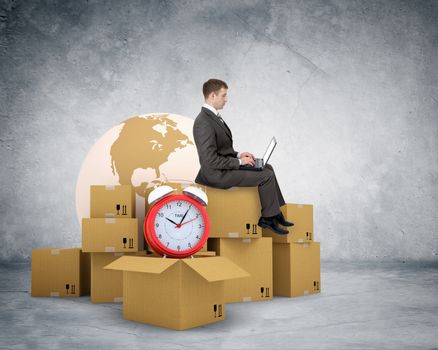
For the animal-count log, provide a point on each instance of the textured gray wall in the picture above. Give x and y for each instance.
(350, 89)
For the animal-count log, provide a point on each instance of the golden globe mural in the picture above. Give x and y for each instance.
(142, 151)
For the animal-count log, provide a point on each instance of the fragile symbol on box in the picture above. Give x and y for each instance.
(130, 242)
(265, 291)
(217, 308)
(73, 288)
(124, 209)
(254, 229)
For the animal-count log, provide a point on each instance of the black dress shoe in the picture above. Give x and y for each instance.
(270, 223)
(282, 221)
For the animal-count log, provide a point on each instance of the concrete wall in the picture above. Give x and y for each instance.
(349, 88)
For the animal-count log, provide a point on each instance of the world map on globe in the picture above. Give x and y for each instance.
(151, 140)
(142, 151)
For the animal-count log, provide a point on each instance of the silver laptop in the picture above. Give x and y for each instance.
(260, 163)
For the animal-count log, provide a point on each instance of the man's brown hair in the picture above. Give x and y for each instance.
(213, 85)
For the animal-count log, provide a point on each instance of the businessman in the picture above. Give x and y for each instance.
(220, 162)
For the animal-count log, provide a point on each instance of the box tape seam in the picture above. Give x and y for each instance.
(55, 251)
(110, 187)
(110, 221)
(233, 234)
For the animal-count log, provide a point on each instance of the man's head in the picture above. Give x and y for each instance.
(215, 93)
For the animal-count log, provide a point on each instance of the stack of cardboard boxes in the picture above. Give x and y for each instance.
(182, 293)
(173, 293)
(296, 256)
(234, 234)
(109, 233)
(283, 265)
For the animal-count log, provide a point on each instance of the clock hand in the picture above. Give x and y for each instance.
(184, 216)
(186, 222)
(173, 222)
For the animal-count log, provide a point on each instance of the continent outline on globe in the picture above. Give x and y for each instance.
(158, 144)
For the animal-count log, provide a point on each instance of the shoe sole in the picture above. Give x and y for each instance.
(269, 227)
(286, 225)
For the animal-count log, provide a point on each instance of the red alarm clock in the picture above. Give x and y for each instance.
(177, 225)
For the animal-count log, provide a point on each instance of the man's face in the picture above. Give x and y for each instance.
(219, 98)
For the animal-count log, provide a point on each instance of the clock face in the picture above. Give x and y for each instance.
(177, 226)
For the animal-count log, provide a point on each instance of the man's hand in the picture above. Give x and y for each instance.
(247, 154)
(247, 158)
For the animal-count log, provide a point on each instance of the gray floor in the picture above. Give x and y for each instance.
(362, 306)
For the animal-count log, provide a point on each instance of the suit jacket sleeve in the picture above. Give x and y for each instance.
(205, 139)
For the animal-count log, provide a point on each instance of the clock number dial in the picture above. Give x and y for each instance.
(179, 224)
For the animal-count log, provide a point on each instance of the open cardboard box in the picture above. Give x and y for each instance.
(175, 293)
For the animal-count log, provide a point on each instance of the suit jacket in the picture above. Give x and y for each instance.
(217, 156)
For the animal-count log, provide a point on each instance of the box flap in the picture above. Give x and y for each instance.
(216, 268)
(141, 264)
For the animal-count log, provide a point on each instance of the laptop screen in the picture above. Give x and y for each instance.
(269, 150)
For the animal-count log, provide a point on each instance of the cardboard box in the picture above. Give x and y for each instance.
(111, 235)
(296, 268)
(63, 272)
(175, 293)
(112, 201)
(253, 256)
(302, 231)
(107, 285)
(234, 213)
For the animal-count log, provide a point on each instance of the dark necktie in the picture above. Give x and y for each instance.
(223, 122)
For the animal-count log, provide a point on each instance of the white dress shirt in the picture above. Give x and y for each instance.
(214, 110)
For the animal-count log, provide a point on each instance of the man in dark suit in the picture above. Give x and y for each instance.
(220, 162)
